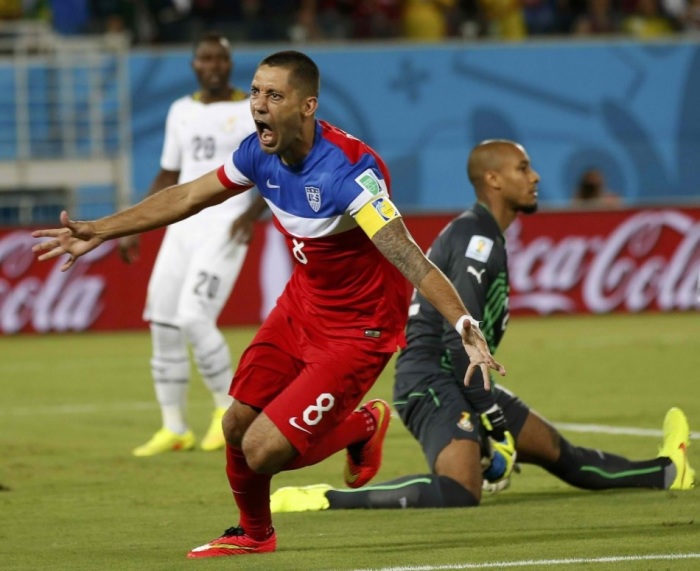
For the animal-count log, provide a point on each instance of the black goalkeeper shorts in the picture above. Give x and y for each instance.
(436, 412)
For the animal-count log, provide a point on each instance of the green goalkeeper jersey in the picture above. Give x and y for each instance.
(471, 252)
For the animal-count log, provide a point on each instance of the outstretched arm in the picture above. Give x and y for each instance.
(129, 245)
(397, 245)
(170, 205)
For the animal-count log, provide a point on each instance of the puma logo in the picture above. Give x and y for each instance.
(477, 275)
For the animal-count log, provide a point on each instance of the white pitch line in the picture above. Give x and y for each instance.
(95, 408)
(624, 430)
(541, 562)
(92, 408)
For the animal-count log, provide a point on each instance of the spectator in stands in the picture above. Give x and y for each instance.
(70, 17)
(542, 16)
(113, 16)
(426, 20)
(146, 21)
(648, 21)
(11, 10)
(592, 192)
(327, 19)
(595, 17)
(691, 17)
(380, 19)
(270, 20)
(229, 18)
(675, 11)
(503, 19)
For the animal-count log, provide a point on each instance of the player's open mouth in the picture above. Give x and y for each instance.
(265, 133)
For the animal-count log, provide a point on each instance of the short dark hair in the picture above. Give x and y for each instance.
(210, 36)
(303, 69)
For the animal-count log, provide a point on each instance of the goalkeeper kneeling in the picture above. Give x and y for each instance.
(484, 460)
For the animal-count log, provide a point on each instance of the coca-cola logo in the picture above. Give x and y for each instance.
(62, 301)
(650, 260)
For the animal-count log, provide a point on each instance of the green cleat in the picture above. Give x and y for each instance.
(675, 447)
(165, 441)
(300, 499)
(214, 438)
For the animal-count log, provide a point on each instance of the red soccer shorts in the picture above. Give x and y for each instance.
(306, 383)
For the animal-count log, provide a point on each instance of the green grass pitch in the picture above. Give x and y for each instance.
(73, 406)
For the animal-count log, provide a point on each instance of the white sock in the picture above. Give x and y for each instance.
(213, 358)
(170, 368)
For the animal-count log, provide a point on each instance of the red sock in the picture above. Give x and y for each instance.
(252, 494)
(357, 427)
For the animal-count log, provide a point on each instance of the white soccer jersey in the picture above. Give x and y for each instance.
(198, 263)
(199, 138)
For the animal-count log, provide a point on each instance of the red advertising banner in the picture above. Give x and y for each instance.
(601, 262)
(563, 262)
(101, 292)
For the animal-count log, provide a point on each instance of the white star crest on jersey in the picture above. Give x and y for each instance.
(313, 195)
(230, 124)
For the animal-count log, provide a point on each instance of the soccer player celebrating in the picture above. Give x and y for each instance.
(199, 258)
(458, 426)
(340, 318)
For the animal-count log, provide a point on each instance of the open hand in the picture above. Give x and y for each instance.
(129, 248)
(75, 239)
(479, 354)
(242, 229)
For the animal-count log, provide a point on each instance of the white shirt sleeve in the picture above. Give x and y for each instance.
(232, 177)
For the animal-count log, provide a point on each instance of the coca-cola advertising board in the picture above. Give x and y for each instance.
(560, 262)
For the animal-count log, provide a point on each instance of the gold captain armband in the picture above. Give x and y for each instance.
(376, 214)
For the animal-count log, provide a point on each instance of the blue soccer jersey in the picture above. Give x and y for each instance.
(342, 285)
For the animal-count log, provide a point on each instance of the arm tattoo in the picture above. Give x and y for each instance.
(394, 241)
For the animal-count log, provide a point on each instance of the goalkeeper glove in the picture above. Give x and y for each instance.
(503, 456)
(502, 445)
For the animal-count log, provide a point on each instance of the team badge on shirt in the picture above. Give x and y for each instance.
(479, 248)
(369, 181)
(230, 124)
(465, 423)
(313, 195)
(385, 209)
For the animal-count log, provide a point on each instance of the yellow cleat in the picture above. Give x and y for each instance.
(165, 441)
(675, 447)
(300, 499)
(214, 438)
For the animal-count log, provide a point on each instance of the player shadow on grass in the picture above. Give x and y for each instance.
(515, 498)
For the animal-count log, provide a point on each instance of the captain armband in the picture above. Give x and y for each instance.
(376, 214)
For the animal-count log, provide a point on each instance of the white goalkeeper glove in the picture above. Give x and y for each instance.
(495, 487)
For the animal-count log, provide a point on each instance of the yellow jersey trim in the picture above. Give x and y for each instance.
(376, 214)
(236, 95)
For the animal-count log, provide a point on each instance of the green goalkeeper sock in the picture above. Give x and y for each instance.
(418, 491)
